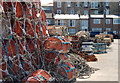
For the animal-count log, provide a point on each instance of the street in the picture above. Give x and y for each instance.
(107, 64)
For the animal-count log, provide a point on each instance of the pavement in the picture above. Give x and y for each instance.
(107, 64)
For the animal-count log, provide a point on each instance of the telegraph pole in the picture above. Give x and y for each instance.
(89, 17)
(104, 26)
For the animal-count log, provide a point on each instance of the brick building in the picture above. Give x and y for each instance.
(83, 8)
(77, 23)
(48, 8)
(93, 16)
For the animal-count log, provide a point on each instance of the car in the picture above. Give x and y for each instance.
(92, 34)
(115, 36)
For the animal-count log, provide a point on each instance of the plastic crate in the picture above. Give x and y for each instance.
(99, 48)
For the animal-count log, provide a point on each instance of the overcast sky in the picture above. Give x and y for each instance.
(46, 1)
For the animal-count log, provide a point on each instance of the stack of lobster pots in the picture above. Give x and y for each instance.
(56, 49)
(27, 51)
(22, 55)
(84, 49)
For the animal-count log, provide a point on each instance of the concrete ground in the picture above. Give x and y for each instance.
(107, 63)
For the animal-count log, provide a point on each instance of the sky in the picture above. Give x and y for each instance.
(46, 1)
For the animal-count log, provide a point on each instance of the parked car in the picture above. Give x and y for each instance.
(92, 34)
(115, 36)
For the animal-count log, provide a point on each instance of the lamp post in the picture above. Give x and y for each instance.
(89, 17)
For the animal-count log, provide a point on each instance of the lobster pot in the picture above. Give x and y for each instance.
(88, 47)
(57, 43)
(54, 57)
(76, 44)
(39, 76)
(107, 41)
(67, 70)
(99, 48)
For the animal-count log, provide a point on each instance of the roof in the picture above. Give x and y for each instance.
(97, 16)
(48, 4)
(76, 16)
(107, 16)
(84, 16)
(66, 16)
(112, 16)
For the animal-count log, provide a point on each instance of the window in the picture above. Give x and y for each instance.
(60, 22)
(108, 29)
(107, 21)
(94, 4)
(72, 23)
(72, 11)
(116, 21)
(96, 11)
(58, 4)
(71, 30)
(68, 4)
(96, 21)
(114, 31)
(85, 12)
(84, 25)
(107, 11)
(85, 4)
(58, 11)
(78, 4)
(97, 29)
(48, 21)
(107, 3)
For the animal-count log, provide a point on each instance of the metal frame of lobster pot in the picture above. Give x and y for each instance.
(39, 76)
(58, 44)
(67, 70)
(99, 48)
(52, 58)
(87, 47)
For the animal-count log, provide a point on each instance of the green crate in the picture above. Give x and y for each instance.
(99, 48)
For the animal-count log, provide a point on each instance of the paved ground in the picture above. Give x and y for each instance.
(108, 65)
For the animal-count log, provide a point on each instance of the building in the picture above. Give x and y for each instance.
(48, 8)
(83, 8)
(77, 23)
(93, 16)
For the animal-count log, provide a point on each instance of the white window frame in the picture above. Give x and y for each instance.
(58, 4)
(68, 4)
(71, 30)
(85, 4)
(97, 21)
(72, 11)
(73, 23)
(116, 21)
(58, 11)
(107, 21)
